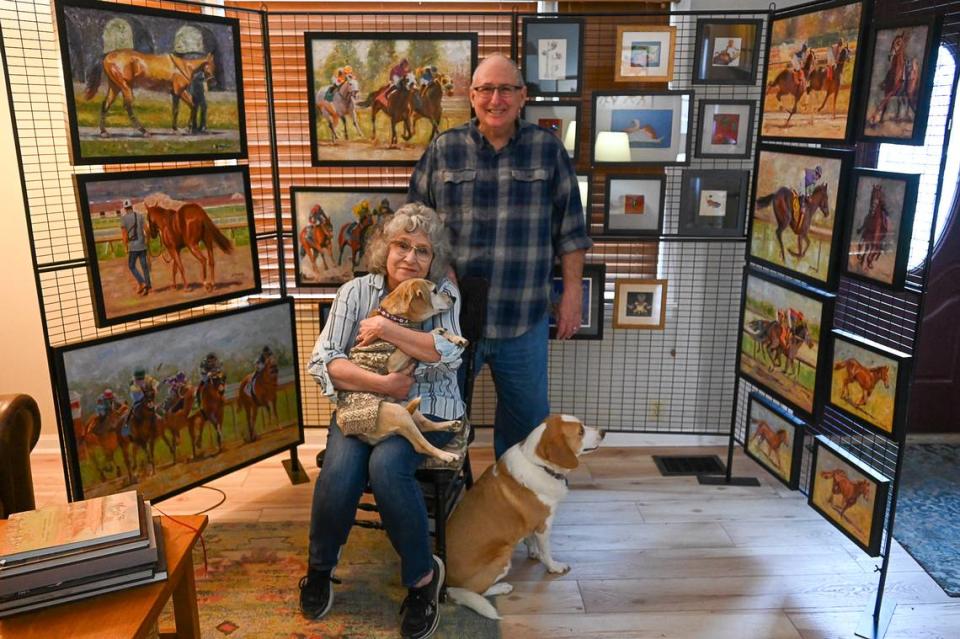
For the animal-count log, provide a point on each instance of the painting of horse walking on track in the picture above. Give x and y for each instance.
(146, 84)
(774, 439)
(167, 408)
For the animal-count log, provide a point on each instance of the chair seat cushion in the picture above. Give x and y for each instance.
(457, 445)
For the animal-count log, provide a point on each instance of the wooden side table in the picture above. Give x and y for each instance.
(128, 613)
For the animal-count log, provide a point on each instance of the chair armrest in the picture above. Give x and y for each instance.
(19, 434)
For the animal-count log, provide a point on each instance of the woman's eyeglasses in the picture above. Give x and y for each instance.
(403, 247)
(507, 91)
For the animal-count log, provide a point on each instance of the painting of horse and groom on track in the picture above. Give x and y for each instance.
(199, 244)
(146, 84)
(167, 408)
(381, 98)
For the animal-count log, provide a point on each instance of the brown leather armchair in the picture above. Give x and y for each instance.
(19, 433)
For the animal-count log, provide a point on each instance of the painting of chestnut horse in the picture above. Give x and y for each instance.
(259, 390)
(864, 381)
(774, 439)
(881, 225)
(186, 227)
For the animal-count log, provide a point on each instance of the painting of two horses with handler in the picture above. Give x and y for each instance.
(169, 407)
(864, 381)
(378, 98)
(148, 84)
(198, 236)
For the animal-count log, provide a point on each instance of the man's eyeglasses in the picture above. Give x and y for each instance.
(403, 247)
(505, 90)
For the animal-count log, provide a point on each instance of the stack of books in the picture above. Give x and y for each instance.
(73, 551)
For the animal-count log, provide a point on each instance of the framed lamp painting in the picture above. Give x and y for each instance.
(645, 53)
(902, 63)
(640, 304)
(812, 69)
(879, 226)
(150, 55)
(713, 203)
(359, 91)
(591, 316)
(160, 367)
(552, 62)
(782, 327)
(727, 51)
(203, 217)
(560, 118)
(774, 439)
(868, 383)
(798, 193)
(646, 128)
(849, 494)
(634, 206)
(726, 129)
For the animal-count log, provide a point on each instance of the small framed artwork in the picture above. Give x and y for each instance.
(560, 118)
(332, 227)
(591, 317)
(199, 220)
(798, 193)
(552, 60)
(324, 305)
(634, 206)
(640, 304)
(727, 51)
(641, 128)
(774, 439)
(879, 226)
(782, 330)
(645, 53)
(726, 129)
(713, 203)
(902, 62)
(868, 383)
(849, 494)
(585, 185)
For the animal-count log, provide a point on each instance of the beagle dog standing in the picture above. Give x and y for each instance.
(373, 417)
(514, 499)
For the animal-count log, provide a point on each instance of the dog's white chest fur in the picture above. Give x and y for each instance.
(531, 471)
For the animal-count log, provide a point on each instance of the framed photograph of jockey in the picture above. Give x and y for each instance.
(782, 329)
(122, 64)
(774, 439)
(170, 407)
(713, 202)
(634, 206)
(198, 220)
(849, 494)
(641, 128)
(331, 229)
(552, 62)
(812, 73)
(644, 53)
(560, 118)
(798, 195)
(591, 320)
(869, 383)
(901, 65)
(725, 129)
(879, 226)
(378, 99)
(728, 51)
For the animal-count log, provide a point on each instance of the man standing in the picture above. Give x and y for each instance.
(509, 195)
(135, 243)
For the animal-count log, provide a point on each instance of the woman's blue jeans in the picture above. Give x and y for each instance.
(348, 465)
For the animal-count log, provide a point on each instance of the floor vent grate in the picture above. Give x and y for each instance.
(689, 465)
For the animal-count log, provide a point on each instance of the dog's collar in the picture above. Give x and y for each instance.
(393, 318)
(554, 474)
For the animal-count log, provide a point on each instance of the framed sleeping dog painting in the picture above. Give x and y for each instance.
(774, 439)
(591, 315)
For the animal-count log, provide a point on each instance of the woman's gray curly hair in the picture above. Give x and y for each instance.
(411, 218)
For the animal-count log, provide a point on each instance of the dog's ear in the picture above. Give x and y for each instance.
(554, 445)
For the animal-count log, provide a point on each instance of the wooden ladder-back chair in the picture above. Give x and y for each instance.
(19, 433)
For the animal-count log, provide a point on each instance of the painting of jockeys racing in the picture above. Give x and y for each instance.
(172, 406)
(381, 98)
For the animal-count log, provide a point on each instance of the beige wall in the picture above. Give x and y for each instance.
(23, 361)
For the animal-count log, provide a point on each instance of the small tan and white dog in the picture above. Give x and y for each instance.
(514, 499)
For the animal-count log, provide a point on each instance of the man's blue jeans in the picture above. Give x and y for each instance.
(139, 256)
(389, 466)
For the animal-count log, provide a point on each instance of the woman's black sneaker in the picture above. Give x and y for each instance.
(316, 593)
(421, 607)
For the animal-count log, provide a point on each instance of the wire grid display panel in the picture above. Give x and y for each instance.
(39, 113)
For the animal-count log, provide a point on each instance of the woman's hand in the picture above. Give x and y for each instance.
(397, 385)
(373, 328)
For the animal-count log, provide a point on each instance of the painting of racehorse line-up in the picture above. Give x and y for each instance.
(793, 219)
(849, 494)
(148, 84)
(867, 381)
(879, 226)
(381, 98)
(811, 73)
(902, 63)
(160, 241)
(172, 406)
(333, 228)
(774, 439)
(781, 345)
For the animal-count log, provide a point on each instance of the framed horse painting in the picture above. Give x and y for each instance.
(774, 439)
(868, 383)
(379, 99)
(849, 494)
(902, 63)
(332, 227)
(797, 196)
(879, 226)
(122, 64)
(161, 241)
(782, 326)
(173, 406)
(812, 73)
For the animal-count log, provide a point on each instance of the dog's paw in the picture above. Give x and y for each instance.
(533, 552)
(447, 458)
(500, 588)
(456, 340)
(557, 568)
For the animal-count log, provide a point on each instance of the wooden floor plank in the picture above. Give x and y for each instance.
(639, 536)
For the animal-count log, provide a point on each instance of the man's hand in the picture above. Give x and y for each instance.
(397, 385)
(374, 328)
(568, 312)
